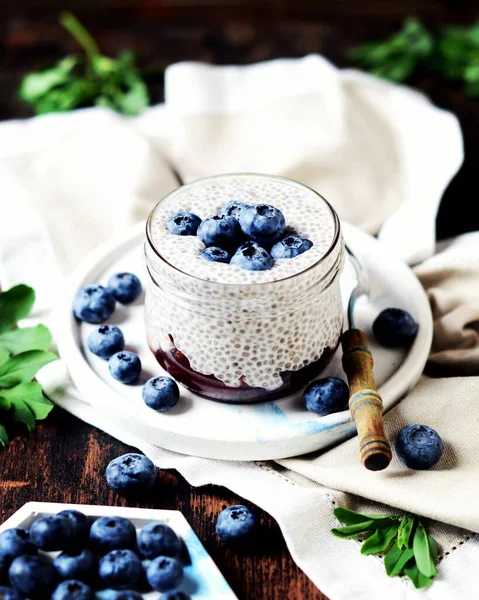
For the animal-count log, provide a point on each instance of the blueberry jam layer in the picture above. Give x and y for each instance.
(178, 366)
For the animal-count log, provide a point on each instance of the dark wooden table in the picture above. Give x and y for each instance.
(64, 459)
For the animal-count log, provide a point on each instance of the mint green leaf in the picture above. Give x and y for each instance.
(353, 530)
(28, 403)
(4, 403)
(23, 367)
(380, 540)
(422, 552)
(396, 559)
(351, 517)
(4, 355)
(20, 340)
(15, 304)
(36, 85)
(81, 35)
(3, 436)
(433, 548)
(74, 93)
(419, 580)
(405, 531)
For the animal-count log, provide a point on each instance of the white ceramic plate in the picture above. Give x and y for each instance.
(202, 581)
(201, 427)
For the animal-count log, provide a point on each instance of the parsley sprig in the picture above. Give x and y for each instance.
(407, 547)
(86, 80)
(23, 352)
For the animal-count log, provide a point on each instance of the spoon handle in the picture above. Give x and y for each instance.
(365, 403)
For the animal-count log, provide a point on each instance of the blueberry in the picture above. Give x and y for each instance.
(81, 525)
(52, 533)
(252, 257)
(183, 223)
(112, 533)
(15, 542)
(419, 446)
(120, 569)
(263, 222)
(158, 539)
(215, 254)
(9, 593)
(176, 595)
(326, 396)
(4, 564)
(125, 367)
(79, 565)
(124, 287)
(131, 473)
(290, 246)
(235, 523)
(93, 304)
(161, 393)
(73, 590)
(224, 232)
(395, 328)
(232, 209)
(34, 576)
(106, 340)
(118, 595)
(164, 573)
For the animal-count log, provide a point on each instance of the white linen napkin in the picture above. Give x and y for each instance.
(381, 153)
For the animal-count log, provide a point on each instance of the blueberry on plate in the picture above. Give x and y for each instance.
(395, 328)
(80, 565)
(235, 523)
(73, 590)
(112, 533)
(224, 232)
(232, 209)
(263, 222)
(120, 569)
(93, 304)
(131, 473)
(118, 595)
(164, 573)
(419, 446)
(158, 539)
(326, 396)
(290, 246)
(15, 542)
(52, 533)
(33, 576)
(105, 341)
(183, 223)
(125, 366)
(175, 595)
(9, 593)
(215, 254)
(124, 287)
(81, 525)
(161, 393)
(252, 257)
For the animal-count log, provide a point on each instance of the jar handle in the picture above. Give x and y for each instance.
(365, 402)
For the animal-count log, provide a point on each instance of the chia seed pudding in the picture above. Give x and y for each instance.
(232, 334)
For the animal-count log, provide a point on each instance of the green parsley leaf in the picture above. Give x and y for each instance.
(422, 552)
(23, 367)
(380, 540)
(3, 436)
(35, 86)
(396, 559)
(419, 580)
(23, 339)
(15, 304)
(27, 403)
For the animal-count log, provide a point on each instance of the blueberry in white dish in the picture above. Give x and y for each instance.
(52, 533)
(161, 393)
(110, 594)
(183, 223)
(93, 304)
(235, 523)
(252, 257)
(215, 254)
(105, 341)
(326, 396)
(164, 573)
(419, 447)
(158, 539)
(120, 569)
(233, 209)
(224, 232)
(15, 542)
(290, 246)
(73, 590)
(33, 576)
(125, 367)
(9, 593)
(395, 328)
(112, 533)
(131, 473)
(125, 287)
(263, 223)
(175, 595)
(81, 525)
(79, 565)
